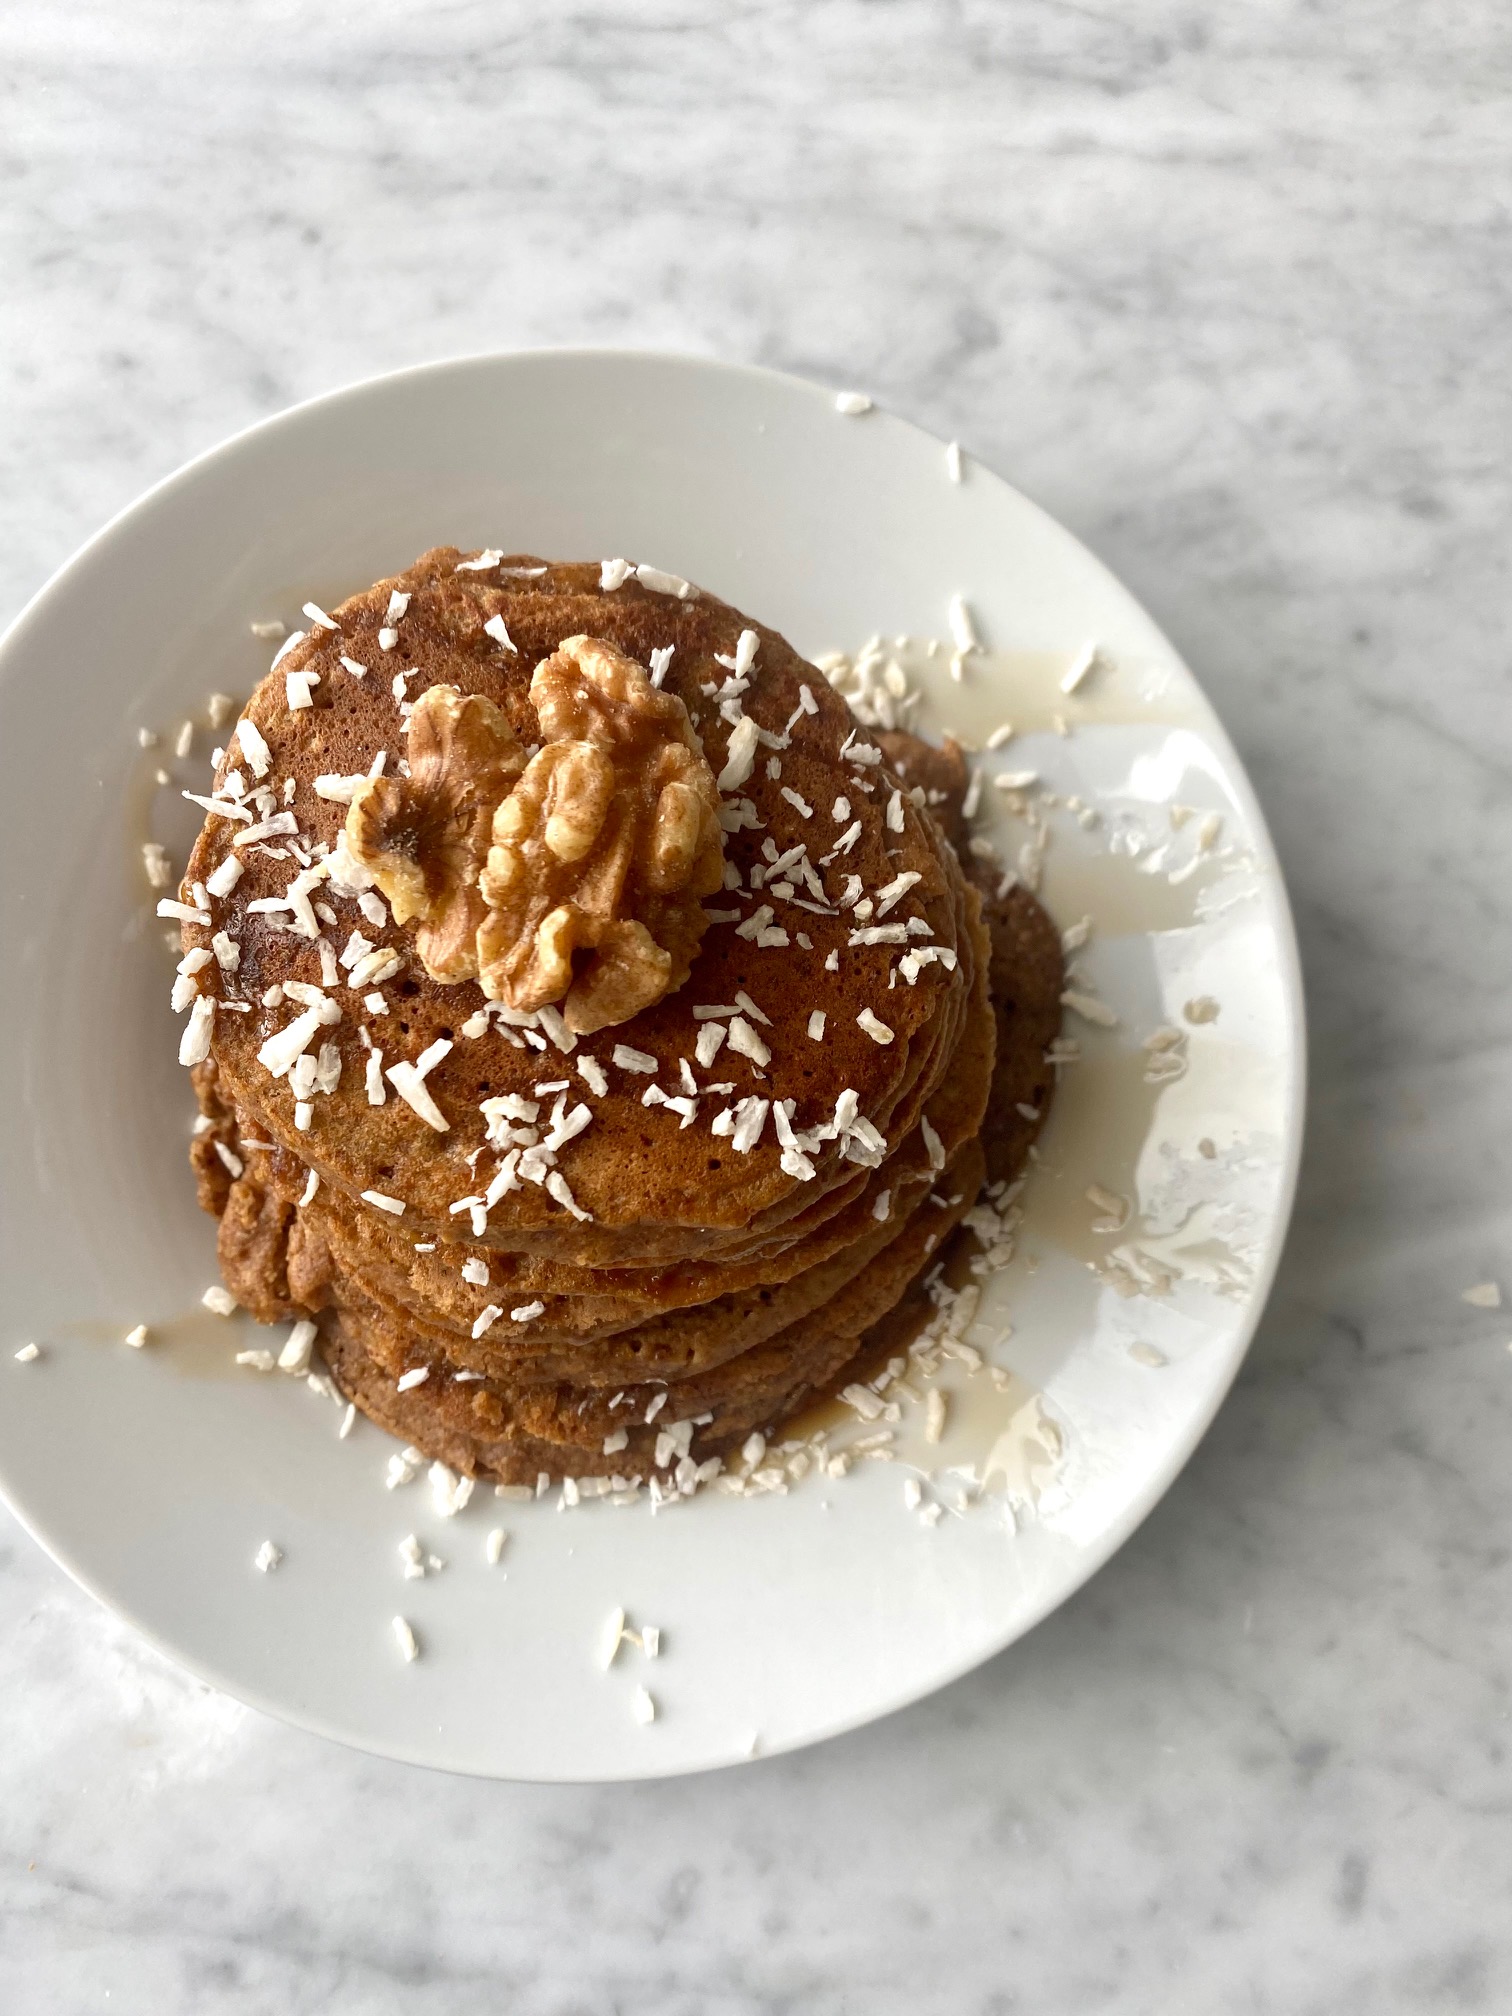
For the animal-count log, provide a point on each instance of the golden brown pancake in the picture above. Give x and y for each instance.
(659, 1266)
(655, 1191)
(513, 1434)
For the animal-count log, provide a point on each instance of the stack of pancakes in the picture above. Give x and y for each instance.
(681, 1286)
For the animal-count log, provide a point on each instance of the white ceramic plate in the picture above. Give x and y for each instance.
(154, 1475)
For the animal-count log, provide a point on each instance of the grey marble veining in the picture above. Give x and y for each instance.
(1226, 289)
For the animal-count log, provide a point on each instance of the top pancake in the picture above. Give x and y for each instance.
(655, 1191)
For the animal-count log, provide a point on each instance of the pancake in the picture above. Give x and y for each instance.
(512, 1434)
(285, 1260)
(654, 1191)
(576, 1305)
(488, 1428)
(649, 1265)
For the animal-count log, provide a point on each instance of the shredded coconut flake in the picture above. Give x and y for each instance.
(339, 790)
(1080, 668)
(747, 1043)
(374, 967)
(283, 1049)
(933, 1145)
(195, 1045)
(295, 1355)
(408, 1080)
(1089, 1008)
(449, 1492)
(740, 754)
(662, 583)
(934, 1414)
(554, 1023)
(155, 862)
(610, 1638)
(265, 829)
(557, 1187)
(963, 628)
(593, 1076)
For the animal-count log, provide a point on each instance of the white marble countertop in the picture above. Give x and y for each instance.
(1227, 289)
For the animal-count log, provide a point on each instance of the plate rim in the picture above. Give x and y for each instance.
(1176, 1454)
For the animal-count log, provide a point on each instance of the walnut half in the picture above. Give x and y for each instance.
(606, 845)
(574, 876)
(425, 837)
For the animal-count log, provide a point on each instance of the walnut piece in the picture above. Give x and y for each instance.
(606, 845)
(574, 876)
(425, 837)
